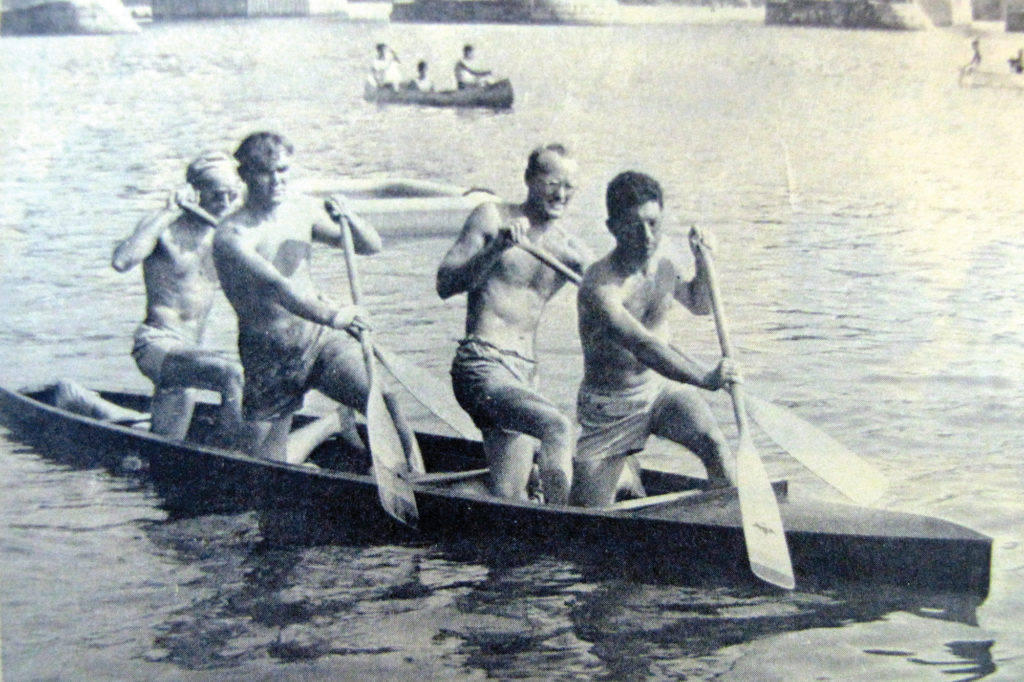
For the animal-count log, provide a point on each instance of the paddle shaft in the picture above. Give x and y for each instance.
(759, 509)
(396, 495)
(549, 260)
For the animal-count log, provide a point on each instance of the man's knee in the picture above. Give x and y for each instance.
(557, 428)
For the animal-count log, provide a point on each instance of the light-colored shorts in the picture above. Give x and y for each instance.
(480, 368)
(153, 344)
(616, 423)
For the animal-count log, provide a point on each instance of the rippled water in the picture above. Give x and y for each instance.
(868, 213)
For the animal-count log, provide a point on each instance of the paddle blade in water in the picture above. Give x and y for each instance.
(762, 523)
(819, 452)
(396, 494)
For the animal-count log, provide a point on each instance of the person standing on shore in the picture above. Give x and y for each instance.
(494, 374)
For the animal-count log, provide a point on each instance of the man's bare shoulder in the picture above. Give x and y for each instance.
(599, 281)
(488, 217)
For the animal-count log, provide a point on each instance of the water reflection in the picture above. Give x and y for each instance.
(495, 609)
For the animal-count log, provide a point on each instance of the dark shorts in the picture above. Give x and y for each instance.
(280, 369)
(479, 369)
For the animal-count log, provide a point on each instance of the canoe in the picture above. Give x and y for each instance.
(404, 207)
(991, 79)
(681, 533)
(496, 96)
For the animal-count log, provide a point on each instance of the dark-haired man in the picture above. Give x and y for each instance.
(494, 374)
(468, 74)
(635, 384)
(174, 246)
(290, 339)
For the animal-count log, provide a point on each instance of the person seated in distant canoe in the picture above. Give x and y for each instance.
(468, 74)
(635, 384)
(175, 247)
(422, 82)
(1017, 63)
(290, 339)
(385, 71)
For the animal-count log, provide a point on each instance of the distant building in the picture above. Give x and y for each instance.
(1015, 15)
(198, 9)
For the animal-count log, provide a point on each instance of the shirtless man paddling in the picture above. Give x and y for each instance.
(494, 372)
(174, 246)
(290, 339)
(635, 384)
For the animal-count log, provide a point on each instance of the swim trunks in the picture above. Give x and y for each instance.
(479, 369)
(152, 345)
(616, 423)
(278, 367)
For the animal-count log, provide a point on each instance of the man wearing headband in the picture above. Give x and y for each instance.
(290, 339)
(175, 247)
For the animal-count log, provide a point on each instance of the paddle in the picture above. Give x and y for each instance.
(762, 523)
(395, 493)
(820, 453)
(823, 455)
(418, 382)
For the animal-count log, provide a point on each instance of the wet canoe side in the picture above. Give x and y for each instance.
(404, 207)
(496, 96)
(685, 540)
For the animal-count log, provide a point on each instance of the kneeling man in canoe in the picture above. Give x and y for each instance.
(290, 339)
(174, 246)
(635, 384)
(494, 374)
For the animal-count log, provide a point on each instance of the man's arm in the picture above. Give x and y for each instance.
(474, 254)
(605, 304)
(695, 294)
(142, 241)
(365, 237)
(232, 254)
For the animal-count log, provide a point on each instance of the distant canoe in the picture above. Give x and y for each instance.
(404, 207)
(991, 79)
(496, 96)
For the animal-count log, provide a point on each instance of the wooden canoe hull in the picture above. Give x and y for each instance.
(690, 540)
(970, 78)
(496, 96)
(404, 207)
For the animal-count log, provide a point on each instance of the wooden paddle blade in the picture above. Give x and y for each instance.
(433, 394)
(395, 493)
(823, 455)
(762, 523)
